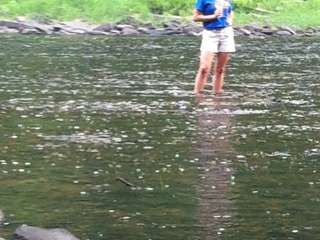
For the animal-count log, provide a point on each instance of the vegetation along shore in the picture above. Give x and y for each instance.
(293, 13)
(255, 18)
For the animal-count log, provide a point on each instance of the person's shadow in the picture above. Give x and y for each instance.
(215, 154)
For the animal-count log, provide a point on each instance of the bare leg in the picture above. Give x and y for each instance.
(206, 59)
(220, 67)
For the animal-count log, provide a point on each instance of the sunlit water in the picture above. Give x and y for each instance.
(78, 114)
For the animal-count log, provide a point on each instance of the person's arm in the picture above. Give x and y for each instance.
(231, 18)
(199, 17)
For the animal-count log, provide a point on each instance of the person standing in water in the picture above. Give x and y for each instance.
(217, 41)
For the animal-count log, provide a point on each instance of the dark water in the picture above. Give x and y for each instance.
(76, 114)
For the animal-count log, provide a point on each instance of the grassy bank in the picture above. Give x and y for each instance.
(301, 13)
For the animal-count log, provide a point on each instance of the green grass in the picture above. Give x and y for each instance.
(92, 10)
(300, 13)
(297, 13)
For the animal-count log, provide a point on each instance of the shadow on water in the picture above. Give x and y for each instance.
(79, 113)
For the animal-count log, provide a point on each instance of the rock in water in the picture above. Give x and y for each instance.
(26, 232)
(1, 217)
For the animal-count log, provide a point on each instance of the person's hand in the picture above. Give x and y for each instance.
(218, 13)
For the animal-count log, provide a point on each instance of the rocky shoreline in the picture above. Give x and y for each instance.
(132, 27)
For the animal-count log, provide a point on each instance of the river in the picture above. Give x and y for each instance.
(103, 136)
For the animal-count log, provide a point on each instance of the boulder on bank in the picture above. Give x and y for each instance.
(129, 32)
(26, 232)
(243, 31)
(283, 33)
(98, 33)
(14, 25)
(126, 29)
(8, 30)
(105, 27)
(288, 29)
(30, 31)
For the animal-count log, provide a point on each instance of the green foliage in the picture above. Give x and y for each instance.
(175, 7)
(293, 12)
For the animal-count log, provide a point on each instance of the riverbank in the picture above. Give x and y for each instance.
(299, 13)
(134, 27)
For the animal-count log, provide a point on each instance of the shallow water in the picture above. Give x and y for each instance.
(78, 114)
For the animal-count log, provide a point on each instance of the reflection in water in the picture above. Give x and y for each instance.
(215, 157)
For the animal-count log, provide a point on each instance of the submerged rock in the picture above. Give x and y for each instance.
(26, 232)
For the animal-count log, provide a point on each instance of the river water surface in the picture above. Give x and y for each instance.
(102, 136)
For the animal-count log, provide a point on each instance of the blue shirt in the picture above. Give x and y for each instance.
(207, 7)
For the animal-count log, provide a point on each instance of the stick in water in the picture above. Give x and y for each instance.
(124, 181)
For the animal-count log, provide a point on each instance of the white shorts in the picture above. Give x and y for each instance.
(219, 40)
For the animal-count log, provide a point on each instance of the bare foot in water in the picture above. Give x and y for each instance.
(198, 93)
(221, 91)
